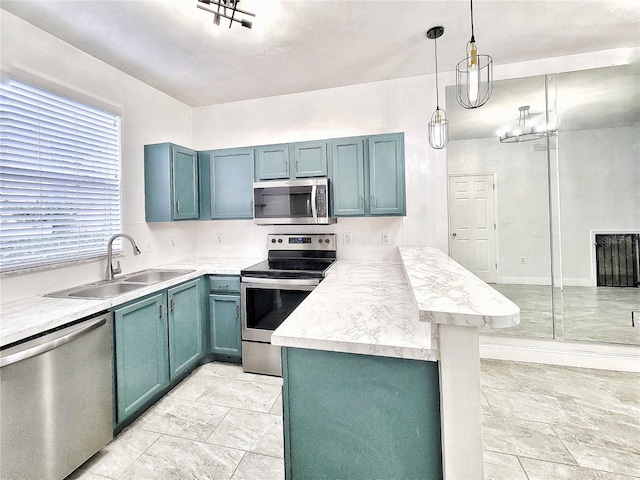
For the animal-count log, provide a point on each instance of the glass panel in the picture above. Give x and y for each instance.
(598, 150)
(514, 256)
(283, 202)
(268, 308)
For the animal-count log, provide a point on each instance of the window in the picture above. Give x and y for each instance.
(59, 178)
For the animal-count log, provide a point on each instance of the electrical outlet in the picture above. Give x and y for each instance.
(385, 239)
(172, 241)
(522, 260)
(219, 238)
(346, 238)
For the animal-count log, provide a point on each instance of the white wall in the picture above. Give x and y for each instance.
(599, 172)
(381, 107)
(148, 116)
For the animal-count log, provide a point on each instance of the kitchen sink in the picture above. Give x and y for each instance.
(112, 288)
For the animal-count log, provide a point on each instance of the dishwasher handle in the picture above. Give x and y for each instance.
(32, 351)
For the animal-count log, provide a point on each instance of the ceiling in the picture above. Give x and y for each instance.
(304, 45)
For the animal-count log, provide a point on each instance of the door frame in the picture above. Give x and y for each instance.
(495, 215)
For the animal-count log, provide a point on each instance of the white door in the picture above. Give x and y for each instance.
(472, 225)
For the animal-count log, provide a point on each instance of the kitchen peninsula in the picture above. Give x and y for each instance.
(381, 370)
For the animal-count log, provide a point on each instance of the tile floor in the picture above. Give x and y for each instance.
(539, 421)
(593, 314)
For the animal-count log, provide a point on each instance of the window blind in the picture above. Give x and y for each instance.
(59, 178)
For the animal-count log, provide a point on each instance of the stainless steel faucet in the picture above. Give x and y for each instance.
(114, 271)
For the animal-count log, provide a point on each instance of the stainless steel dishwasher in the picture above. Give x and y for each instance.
(56, 400)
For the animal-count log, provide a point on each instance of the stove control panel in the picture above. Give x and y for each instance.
(314, 241)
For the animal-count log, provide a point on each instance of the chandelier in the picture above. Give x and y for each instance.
(225, 9)
(527, 128)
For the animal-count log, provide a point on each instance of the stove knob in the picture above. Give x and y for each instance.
(273, 240)
(319, 240)
(279, 240)
(326, 240)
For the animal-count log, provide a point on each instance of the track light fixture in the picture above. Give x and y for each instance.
(226, 9)
(474, 75)
(439, 125)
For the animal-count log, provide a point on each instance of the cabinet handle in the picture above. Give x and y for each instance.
(161, 311)
(173, 304)
(286, 167)
(373, 200)
(297, 166)
(237, 311)
(177, 205)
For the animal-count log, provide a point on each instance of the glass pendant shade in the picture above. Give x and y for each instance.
(438, 130)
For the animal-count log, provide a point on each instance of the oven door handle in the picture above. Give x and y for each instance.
(314, 201)
(285, 282)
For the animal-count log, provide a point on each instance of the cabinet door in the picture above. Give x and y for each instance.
(232, 183)
(225, 324)
(185, 326)
(272, 162)
(347, 177)
(185, 183)
(140, 353)
(386, 175)
(310, 159)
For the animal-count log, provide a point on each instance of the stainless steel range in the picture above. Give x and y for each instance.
(272, 289)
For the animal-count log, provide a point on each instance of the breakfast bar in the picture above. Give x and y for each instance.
(381, 370)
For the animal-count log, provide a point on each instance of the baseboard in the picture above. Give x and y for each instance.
(623, 358)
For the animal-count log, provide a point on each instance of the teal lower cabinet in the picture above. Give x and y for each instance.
(157, 341)
(360, 416)
(185, 326)
(224, 311)
(141, 353)
(224, 317)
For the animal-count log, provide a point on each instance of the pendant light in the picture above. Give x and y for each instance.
(439, 125)
(474, 75)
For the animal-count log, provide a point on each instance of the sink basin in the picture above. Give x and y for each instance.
(107, 290)
(113, 288)
(154, 276)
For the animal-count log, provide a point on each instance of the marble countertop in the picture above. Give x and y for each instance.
(360, 307)
(34, 315)
(448, 293)
(392, 309)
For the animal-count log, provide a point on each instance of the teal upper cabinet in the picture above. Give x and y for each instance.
(171, 183)
(226, 184)
(347, 177)
(185, 326)
(386, 175)
(367, 176)
(310, 159)
(290, 161)
(272, 162)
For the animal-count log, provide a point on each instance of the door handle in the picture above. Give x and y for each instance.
(454, 234)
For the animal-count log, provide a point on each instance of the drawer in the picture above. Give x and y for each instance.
(223, 284)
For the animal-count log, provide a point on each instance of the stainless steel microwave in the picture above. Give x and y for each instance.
(292, 202)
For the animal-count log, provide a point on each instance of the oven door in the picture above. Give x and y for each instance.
(266, 303)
